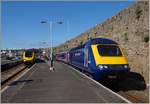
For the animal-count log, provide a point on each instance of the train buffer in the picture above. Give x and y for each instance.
(64, 84)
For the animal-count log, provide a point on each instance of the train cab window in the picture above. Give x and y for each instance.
(28, 54)
(109, 50)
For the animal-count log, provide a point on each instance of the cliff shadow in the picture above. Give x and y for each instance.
(131, 81)
(126, 82)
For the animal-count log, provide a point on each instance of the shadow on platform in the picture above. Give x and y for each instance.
(39, 61)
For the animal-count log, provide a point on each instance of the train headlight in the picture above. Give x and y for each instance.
(105, 66)
(125, 66)
(101, 67)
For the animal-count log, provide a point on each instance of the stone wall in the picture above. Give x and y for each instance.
(130, 28)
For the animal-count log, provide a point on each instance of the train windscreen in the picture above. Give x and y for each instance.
(109, 50)
(28, 54)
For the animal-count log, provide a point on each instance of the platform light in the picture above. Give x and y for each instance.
(50, 27)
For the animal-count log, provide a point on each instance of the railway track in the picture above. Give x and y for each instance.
(10, 64)
(136, 91)
(133, 95)
(132, 98)
(8, 76)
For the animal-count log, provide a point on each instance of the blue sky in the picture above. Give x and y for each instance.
(21, 27)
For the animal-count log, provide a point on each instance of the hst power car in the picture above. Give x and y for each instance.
(100, 57)
(29, 56)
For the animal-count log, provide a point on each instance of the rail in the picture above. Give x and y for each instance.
(6, 66)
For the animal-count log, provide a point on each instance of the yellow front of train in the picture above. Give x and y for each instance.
(28, 57)
(110, 57)
(108, 54)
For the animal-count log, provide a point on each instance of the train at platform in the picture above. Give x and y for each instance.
(101, 58)
(29, 56)
(62, 56)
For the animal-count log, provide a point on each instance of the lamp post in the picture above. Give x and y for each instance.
(51, 38)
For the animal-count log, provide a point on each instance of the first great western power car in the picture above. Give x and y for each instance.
(99, 57)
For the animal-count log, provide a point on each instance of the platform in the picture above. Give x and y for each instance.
(64, 85)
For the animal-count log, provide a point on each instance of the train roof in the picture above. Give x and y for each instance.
(67, 50)
(96, 41)
(32, 50)
(100, 41)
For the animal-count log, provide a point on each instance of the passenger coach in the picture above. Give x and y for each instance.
(63, 56)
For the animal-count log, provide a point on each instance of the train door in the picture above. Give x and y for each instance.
(86, 57)
(68, 57)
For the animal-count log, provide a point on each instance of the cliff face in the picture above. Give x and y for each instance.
(130, 28)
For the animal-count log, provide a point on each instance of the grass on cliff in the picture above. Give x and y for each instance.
(138, 12)
(146, 38)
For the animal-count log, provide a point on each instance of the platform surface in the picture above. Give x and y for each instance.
(64, 85)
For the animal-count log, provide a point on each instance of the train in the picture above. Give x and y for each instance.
(62, 56)
(100, 58)
(29, 56)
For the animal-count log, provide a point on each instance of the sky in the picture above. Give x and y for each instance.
(22, 27)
